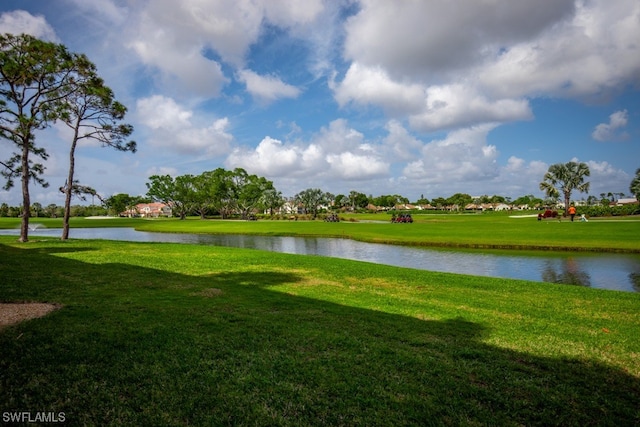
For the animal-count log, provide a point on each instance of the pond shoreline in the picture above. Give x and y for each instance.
(603, 270)
(440, 245)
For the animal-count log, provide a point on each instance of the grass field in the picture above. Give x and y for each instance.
(497, 231)
(174, 334)
(474, 231)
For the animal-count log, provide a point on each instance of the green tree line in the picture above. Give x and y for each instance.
(227, 193)
(220, 191)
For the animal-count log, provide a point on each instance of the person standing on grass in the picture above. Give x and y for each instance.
(572, 212)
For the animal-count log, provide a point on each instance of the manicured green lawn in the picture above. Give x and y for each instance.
(474, 231)
(497, 231)
(169, 334)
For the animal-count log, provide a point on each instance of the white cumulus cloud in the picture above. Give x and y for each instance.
(175, 128)
(372, 85)
(463, 155)
(454, 106)
(22, 22)
(592, 52)
(440, 35)
(454, 65)
(337, 152)
(606, 178)
(187, 42)
(267, 88)
(611, 131)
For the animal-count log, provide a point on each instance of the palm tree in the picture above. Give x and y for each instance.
(635, 185)
(563, 178)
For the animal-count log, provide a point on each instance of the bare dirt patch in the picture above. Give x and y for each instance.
(12, 313)
(209, 293)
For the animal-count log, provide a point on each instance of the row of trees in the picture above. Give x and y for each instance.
(219, 191)
(119, 203)
(52, 210)
(42, 83)
(236, 192)
(311, 201)
(226, 192)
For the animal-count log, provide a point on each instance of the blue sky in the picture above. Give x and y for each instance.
(382, 97)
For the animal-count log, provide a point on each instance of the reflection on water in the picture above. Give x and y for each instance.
(566, 271)
(635, 280)
(597, 270)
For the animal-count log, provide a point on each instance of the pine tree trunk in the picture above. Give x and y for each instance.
(69, 187)
(26, 199)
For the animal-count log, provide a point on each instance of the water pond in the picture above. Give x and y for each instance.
(598, 270)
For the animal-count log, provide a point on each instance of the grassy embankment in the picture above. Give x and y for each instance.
(472, 231)
(168, 334)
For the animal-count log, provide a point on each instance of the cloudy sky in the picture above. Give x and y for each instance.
(410, 97)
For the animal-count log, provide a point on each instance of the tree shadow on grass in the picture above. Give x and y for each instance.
(140, 346)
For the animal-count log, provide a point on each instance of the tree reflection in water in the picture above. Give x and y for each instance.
(635, 280)
(568, 272)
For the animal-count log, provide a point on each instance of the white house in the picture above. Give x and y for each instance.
(629, 201)
(149, 210)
